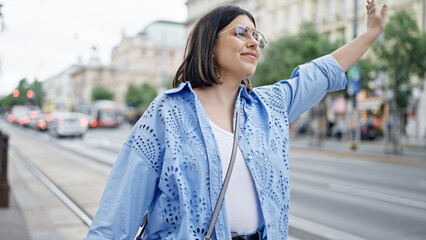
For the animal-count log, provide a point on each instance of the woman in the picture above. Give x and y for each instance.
(174, 161)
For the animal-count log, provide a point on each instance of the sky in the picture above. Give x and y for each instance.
(43, 37)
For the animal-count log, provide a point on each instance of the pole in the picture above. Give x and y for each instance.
(356, 137)
(1, 19)
(4, 185)
(395, 123)
(355, 17)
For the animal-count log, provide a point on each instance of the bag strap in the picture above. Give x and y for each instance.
(143, 226)
(227, 177)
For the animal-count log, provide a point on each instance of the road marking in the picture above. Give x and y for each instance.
(320, 230)
(377, 195)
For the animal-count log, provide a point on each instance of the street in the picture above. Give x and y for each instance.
(333, 196)
(366, 199)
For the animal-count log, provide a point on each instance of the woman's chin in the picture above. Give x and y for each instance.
(251, 73)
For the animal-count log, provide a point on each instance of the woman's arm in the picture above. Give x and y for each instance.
(348, 54)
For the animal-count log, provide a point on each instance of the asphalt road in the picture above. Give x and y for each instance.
(333, 195)
(364, 198)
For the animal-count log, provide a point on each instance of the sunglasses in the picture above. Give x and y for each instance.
(245, 33)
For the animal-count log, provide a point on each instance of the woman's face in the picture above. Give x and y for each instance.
(236, 58)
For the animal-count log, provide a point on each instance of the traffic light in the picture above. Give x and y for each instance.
(16, 93)
(30, 93)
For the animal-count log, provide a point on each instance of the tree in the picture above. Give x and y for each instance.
(285, 54)
(101, 93)
(402, 54)
(140, 96)
(19, 98)
(37, 99)
(133, 95)
(148, 94)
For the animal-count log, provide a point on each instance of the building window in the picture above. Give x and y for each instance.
(301, 14)
(331, 11)
(317, 13)
(275, 24)
(331, 38)
(287, 21)
(344, 11)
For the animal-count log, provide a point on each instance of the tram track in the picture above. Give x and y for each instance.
(58, 168)
(55, 189)
(66, 154)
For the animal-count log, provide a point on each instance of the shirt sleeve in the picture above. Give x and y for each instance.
(308, 85)
(133, 183)
(129, 192)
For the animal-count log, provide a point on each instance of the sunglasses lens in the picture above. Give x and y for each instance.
(241, 31)
(255, 36)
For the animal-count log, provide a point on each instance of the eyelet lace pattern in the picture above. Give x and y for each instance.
(181, 162)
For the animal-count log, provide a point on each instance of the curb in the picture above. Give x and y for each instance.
(365, 155)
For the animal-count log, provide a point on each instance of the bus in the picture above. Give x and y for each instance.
(102, 113)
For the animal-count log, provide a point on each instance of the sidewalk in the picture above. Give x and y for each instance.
(34, 212)
(12, 222)
(377, 150)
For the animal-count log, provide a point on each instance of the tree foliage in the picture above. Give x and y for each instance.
(140, 96)
(101, 93)
(37, 99)
(368, 68)
(402, 54)
(285, 54)
(22, 99)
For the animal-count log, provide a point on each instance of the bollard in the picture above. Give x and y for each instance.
(4, 185)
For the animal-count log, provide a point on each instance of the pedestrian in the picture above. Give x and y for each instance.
(175, 159)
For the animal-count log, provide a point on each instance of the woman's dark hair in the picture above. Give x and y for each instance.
(198, 66)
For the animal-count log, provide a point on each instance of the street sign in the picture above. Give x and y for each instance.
(354, 80)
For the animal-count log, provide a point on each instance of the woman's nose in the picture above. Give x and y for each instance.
(252, 42)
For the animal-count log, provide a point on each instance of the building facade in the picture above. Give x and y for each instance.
(275, 18)
(152, 56)
(334, 18)
(57, 90)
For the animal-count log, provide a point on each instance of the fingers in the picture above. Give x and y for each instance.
(371, 7)
(384, 10)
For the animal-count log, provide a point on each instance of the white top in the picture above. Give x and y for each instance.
(241, 199)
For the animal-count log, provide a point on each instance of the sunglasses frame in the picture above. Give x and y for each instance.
(245, 39)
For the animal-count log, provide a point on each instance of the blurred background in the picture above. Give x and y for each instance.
(76, 75)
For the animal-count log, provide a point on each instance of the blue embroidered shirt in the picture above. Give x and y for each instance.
(170, 164)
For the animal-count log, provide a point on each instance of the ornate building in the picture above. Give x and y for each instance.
(152, 56)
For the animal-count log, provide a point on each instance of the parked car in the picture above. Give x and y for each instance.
(19, 115)
(339, 130)
(68, 124)
(368, 132)
(38, 120)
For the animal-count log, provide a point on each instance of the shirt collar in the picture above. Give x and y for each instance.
(179, 88)
(187, 85)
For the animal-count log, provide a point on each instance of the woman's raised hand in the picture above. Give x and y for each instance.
(375, 20)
